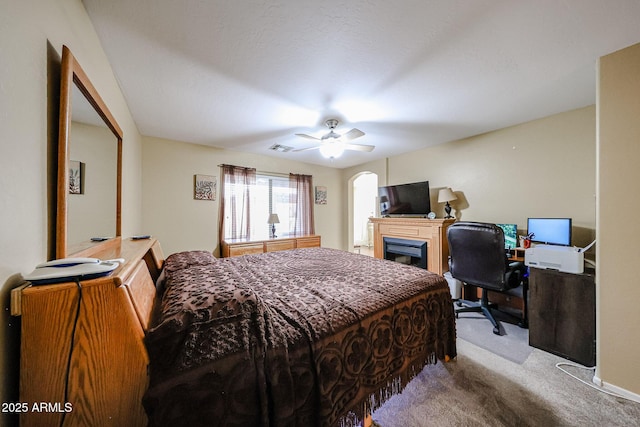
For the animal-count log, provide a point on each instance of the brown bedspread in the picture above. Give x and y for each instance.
(294, 338)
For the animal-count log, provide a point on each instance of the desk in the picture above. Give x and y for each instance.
(518, 254)
(562, 314)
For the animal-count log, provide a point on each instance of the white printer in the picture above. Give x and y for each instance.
(568, 259)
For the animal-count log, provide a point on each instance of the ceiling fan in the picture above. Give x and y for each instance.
(332, 144)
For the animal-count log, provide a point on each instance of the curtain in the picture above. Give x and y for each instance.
(234, 222)
(301, 204)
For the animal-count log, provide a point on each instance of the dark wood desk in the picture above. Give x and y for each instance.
(562, 314)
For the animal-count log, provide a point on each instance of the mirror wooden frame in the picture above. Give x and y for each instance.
(72, 73)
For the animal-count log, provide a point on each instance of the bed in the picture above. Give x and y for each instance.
(304, 337)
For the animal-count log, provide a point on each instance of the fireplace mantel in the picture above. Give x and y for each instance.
(432, 231)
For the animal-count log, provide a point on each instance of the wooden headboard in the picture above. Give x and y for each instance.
(82, 344)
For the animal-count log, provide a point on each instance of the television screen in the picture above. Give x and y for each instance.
(551, 231)
(405, 199)
(510, 235)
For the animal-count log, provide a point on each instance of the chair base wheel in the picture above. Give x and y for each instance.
(496, 330)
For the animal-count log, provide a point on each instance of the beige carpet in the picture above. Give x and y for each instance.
(480, 388)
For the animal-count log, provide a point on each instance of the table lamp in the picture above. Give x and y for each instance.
(273, 220)
(384, 200)
(445, 195)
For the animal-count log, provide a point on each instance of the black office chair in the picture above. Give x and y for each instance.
(478, 258)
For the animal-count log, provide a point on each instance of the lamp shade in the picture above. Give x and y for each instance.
(446, 195)
(273, 219)
(332, 150)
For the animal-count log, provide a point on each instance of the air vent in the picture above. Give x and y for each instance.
(280, 148)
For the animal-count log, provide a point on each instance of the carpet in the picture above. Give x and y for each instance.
(512, 344)
(479, 388)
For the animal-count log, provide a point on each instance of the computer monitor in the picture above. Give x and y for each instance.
(510, 235)
(551, 231)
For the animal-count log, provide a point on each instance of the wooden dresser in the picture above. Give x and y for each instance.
(82, 350)
(236, 247)
(432, 231)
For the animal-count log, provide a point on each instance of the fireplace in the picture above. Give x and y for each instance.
(406, 251)
(419, 230)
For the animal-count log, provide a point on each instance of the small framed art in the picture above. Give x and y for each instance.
(321, 195)
(76, 177)
(204, 187)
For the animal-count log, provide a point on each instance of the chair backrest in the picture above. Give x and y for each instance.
(477, 255)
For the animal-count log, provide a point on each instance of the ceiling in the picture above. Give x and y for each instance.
(245, 75)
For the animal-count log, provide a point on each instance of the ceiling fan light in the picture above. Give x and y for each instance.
(332, 150)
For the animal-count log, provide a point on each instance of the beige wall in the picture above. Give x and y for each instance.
(618, 293)
(182, 223)
(92, 213)
(545, 168)
(32, 33)
(541, 168)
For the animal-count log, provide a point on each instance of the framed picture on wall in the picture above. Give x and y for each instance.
(204, 187)
(76, 177)
(321, 195)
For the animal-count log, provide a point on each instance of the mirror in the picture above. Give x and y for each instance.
(89, 165)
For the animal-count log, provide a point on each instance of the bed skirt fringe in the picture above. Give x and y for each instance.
(379, 397)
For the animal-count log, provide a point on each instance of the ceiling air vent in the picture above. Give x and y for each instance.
(280, 148)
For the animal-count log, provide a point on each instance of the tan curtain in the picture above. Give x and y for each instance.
(301, 204)
(234, 222)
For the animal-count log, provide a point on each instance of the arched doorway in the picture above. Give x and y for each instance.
(365, 192)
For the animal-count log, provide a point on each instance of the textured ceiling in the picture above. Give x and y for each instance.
(245, 75)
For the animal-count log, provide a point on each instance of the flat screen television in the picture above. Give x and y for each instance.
(405, 199)
(510, 235)
(550, 231)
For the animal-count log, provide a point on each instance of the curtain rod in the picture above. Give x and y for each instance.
(262, 172)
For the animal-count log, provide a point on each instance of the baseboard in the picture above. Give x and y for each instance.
(616, 390)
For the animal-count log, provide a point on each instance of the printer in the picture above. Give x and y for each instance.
(562, 258)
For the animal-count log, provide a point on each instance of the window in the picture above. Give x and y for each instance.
(270, 195)
(249, 198)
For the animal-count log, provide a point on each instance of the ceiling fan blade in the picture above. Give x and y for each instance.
(304, 135)
(307, 149)
(359, 147)
(352, 134)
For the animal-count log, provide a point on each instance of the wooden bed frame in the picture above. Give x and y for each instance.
(83, 358)
(88, 366)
